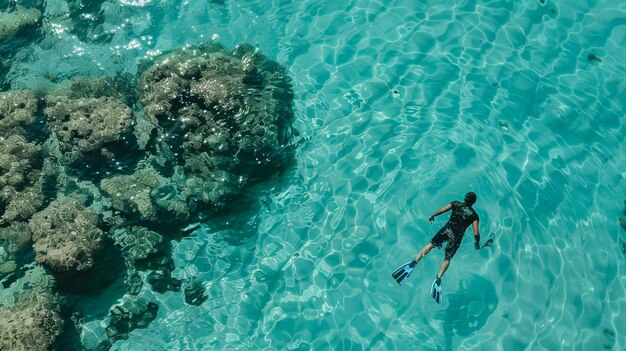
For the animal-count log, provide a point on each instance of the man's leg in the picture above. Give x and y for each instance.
(424, 251)
(450, 251)
(444, 267)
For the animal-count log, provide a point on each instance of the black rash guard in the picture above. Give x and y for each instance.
(461, 218)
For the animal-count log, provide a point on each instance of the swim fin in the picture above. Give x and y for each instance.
(403, 272)
(435, 290)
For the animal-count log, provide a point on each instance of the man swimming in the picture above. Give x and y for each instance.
(462, 216)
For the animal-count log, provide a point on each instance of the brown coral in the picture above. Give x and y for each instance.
(66, 236)
(32, 324)
(147, 193)
(86, 125)
(20, 173)
(16, 237)
(17, 109)
(226, 116)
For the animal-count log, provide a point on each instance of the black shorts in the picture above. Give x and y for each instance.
(454, 241)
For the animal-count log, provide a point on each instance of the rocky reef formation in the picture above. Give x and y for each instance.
(21, 160)
(66, 235)
(147, 194)
(33, 323)
(17, 110)
(20, 173)
(132, 313)
(87, 128)
(136, 243)
(30, 313)
(225, 116)
(13, 239)
(100, 161)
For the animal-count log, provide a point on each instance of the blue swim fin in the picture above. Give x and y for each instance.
(403, 272)
(435, 290)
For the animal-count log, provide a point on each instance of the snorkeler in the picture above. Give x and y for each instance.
(462, 216)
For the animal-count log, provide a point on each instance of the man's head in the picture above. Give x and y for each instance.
(470, 198)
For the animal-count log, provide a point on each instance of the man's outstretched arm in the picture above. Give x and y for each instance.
(446, 208)
(476, 235)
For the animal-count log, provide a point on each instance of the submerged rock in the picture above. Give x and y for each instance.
(134, 312)
(32, 324)
(148, 194)
(195, 293)
(30, 312)
(162, 281)
(15, 238)
(133, 283)
(136, 242)
(121, 87)
(17, 110)
(20, 178)
(226, 116)
(21, 160)
(88, 127)
(66, 235)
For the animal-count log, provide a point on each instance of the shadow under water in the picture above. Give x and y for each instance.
(469, 308)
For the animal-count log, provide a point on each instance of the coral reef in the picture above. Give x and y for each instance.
(35, 280)
(29, 312)
(66, 235)
(14, 238)
(21, 160)
(33, 323)
(14, 21)
(120, 87)
(88, 127)
(148, 194)
(20, 173)
(136, 242)
(134, 312)
(205, 123)
(17, 110)
(225, 115)
(161, 280)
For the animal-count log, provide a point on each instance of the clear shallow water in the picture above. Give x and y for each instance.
(404, 107)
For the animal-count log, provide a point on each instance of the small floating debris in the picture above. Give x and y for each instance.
(396, 93)
(592, 57)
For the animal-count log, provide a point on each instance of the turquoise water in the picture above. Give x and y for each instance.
(403, 107)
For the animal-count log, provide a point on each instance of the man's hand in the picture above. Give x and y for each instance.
(431, 218)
